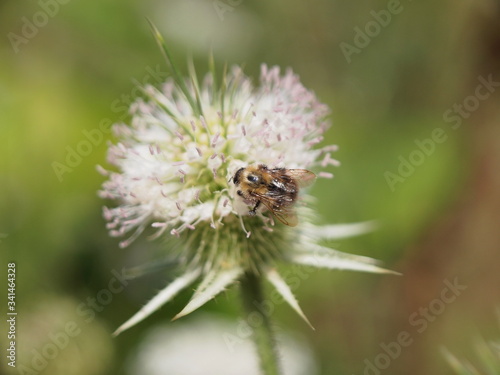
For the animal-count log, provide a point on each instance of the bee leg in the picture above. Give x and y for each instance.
(253, 211)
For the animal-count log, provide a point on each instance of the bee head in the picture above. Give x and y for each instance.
(253, 179)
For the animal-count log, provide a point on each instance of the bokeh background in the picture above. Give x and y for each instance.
(438, 222)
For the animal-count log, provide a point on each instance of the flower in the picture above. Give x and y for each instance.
(175, 166)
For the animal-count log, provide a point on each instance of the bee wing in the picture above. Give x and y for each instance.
(303, 177)
(285, 214)
(288, 218)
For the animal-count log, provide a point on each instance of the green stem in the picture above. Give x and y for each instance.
(263, 336)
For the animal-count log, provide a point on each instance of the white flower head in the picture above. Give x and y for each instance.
(176, 161)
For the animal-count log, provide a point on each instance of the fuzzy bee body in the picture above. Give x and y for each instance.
(276, 188)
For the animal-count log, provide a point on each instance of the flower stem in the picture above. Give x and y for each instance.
(263, 336)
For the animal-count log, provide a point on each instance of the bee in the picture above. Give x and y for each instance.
(276, 188)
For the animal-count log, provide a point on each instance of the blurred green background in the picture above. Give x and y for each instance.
(440, 221)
